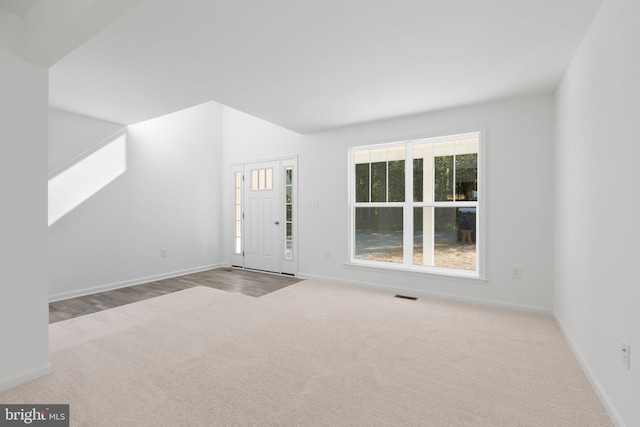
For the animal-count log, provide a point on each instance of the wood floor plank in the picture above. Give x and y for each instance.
(246, 282)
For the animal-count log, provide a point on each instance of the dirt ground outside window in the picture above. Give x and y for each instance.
(447, 253)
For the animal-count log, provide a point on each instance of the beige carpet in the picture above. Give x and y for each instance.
(312, 354)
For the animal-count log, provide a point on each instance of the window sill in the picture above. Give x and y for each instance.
(389, 269)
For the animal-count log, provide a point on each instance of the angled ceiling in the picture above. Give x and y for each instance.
(17, 7)
(315, 65)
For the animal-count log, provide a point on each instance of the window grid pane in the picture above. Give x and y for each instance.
(378, 234)
(379, 182)
(362, 182)
(466, 177)
(254, 179)
(237, 247)
(288, 207)
(269, 182)
(379, 175)
(262, 179)
(396, 181)
(443, 178)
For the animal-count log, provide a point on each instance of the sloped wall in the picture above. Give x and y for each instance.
(169, 197)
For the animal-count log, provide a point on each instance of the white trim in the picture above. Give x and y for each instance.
(419, 292)
(420, 136)
(290, 266)
(407, 232)
(237, 259)
(481, 210)
(26, 376)
(438, 137)
(400, 269)
(379, 204)
(131, 282)
(273, 273)
(285, 266)
(270, 159)
(593, 380)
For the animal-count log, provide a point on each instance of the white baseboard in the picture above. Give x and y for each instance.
(25, 377)
(415, 292)
(593, 380)
(132, 282)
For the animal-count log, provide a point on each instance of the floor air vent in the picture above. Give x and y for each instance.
(406, 297)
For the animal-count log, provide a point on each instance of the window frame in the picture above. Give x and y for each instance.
(408, 205)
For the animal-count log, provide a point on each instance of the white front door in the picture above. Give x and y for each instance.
(262, 222)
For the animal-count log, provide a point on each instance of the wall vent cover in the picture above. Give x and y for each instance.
(406, 297)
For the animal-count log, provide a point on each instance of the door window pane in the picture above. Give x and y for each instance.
(237, 218)
(288, 176)
(254, 179)
(288, 208)
(262, 179)
(269, 180)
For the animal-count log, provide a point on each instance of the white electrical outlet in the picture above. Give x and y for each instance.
(626, 355)
(163, 252)
(516, 273)
(327, 254)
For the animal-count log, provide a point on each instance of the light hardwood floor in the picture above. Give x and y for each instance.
(251, 283)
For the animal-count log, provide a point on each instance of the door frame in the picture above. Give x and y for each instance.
(286, 266)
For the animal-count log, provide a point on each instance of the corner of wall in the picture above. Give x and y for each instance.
(593, 380)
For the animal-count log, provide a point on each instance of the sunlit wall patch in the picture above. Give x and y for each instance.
(84, 178)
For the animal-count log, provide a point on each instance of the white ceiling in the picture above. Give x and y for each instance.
(316, 65)
(17, 7)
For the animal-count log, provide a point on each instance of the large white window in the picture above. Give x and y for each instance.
(416, 205)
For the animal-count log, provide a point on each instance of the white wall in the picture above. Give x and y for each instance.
(168, 197)
(247, 139)
(72, 134)
(24, 314)
(597, 292)
(520, 195)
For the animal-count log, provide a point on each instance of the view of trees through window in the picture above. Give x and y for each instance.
(442, 204)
